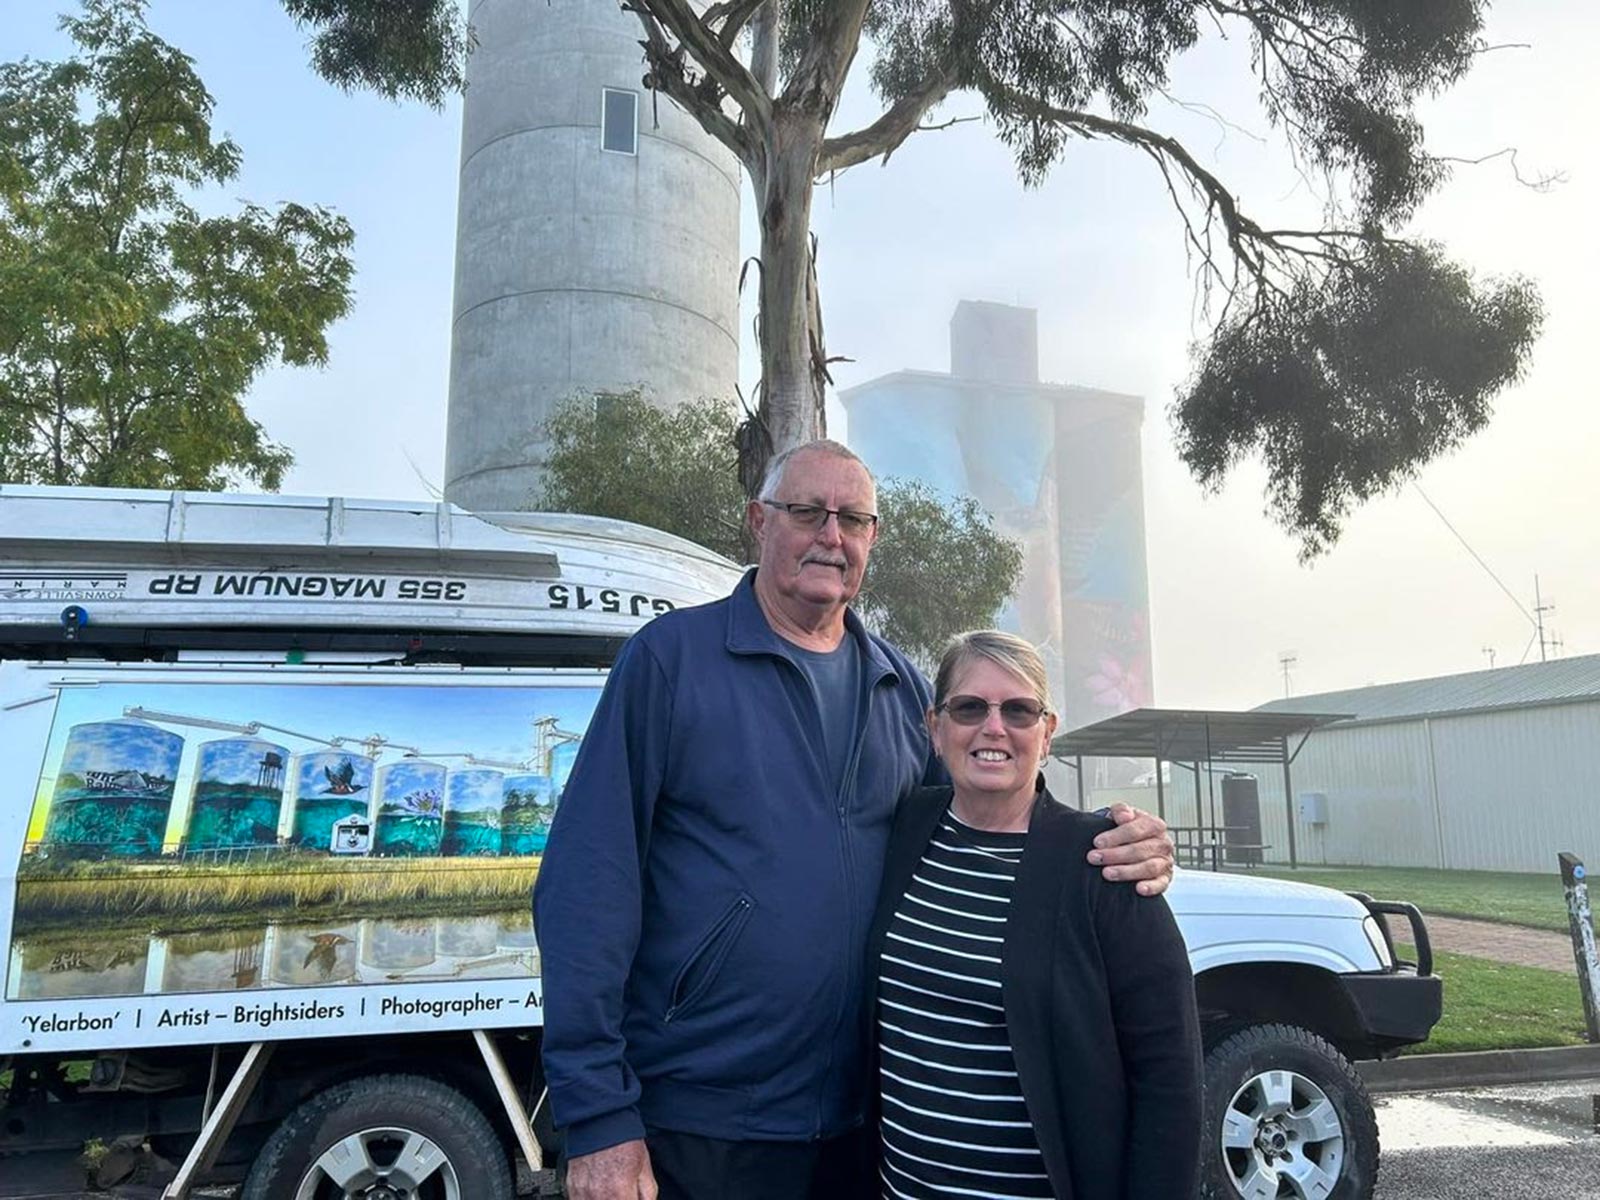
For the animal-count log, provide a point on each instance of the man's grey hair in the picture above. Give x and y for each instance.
(780, 462)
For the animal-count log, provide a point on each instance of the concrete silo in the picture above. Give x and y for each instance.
(597, 241)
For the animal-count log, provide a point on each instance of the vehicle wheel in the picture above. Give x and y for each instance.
(383, 1137)
(1286, 1116)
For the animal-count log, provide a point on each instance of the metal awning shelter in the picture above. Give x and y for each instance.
(1191, 737)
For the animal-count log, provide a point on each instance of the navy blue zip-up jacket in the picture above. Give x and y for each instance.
(703, 904)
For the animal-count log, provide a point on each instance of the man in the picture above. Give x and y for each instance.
(703, 907)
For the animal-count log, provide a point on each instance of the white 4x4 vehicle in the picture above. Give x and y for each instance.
(278, 776)
(1293, 982)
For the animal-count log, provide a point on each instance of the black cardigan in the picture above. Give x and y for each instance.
(1099, 1003)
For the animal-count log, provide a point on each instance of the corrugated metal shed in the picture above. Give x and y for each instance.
(1564, 680)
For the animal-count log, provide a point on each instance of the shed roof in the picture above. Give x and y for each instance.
(1192, 735)
(1561, 681)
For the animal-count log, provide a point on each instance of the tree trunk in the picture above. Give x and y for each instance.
(792, 355)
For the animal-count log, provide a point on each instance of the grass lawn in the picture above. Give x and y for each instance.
(1493, 1006)
(1508, 897)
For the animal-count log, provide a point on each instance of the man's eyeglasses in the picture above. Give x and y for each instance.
(814, 516)
(1017, 713)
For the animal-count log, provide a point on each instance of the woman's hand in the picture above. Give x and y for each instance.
(1138, 849)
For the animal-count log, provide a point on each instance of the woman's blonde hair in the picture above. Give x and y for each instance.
(1005, 650)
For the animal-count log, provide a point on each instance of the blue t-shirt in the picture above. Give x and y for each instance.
(835, 677)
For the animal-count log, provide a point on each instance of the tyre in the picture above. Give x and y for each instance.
(1285, 1116)
(383, 1137)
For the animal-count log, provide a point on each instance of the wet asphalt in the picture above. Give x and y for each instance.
(1505, 1143)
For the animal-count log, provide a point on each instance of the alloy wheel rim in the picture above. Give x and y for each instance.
(1282, 1139)
(382, 1163)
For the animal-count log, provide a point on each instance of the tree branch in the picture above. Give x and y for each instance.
(1265, 256)
(734, 15)
(885, 135)
(715, 59)
(819, 76)
(667, 74)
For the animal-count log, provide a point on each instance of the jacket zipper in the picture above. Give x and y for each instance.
(846, 786)
(718, 939)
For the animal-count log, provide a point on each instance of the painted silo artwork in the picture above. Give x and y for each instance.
(113, 790)
(517, 938)
(216, 960)
(238, 794)
(561, 759)
(467, 937)
(328, 785)
(304, 955)
(525, 819)
(89, 964)
(410, 810)
(472, 803)
(397, 945)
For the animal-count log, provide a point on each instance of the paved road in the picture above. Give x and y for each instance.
(1509, 1143)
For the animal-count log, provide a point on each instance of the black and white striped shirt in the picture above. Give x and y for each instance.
(954, 1123)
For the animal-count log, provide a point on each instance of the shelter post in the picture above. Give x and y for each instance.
(1288, 803)
(1161, 792)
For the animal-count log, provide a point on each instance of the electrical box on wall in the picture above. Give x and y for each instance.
(1314, 808)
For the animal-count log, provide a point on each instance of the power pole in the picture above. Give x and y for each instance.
(1286, 659)
(1539, 610)
(1489, 652)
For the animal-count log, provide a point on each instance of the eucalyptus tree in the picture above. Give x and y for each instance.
(1346, 353)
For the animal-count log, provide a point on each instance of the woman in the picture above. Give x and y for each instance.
(1036, 1027)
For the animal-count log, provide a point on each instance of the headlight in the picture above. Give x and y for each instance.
(1380, 944)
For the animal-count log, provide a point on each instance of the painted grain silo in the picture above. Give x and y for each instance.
(561, 760)
(397, 945)
(84, 964)
(305, 955)
(467, 937)
(473, 800)
(238, 794)
(113, 790)
(328, 785)
(214, 960)
(409, 808)
(525, 820)
(597, 241)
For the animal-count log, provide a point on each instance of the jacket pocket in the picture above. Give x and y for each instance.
(699, 970)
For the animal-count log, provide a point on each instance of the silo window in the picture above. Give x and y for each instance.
(619, 122)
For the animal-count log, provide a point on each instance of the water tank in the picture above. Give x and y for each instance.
(597, 241)
(1241, 820)
(328, 786)
(238, 794)
(472, 803)
(410, 809)
(113, 790)
(525, 819)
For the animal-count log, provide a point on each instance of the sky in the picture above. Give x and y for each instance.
(1098, 251)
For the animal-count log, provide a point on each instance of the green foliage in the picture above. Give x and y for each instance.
(397, 48)
(1534, 899)
(1345, 386)
(938, 567)
(130, 324)
(1499, 1006)
(618, 456)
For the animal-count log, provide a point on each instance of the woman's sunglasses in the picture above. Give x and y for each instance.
(1018, 713)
